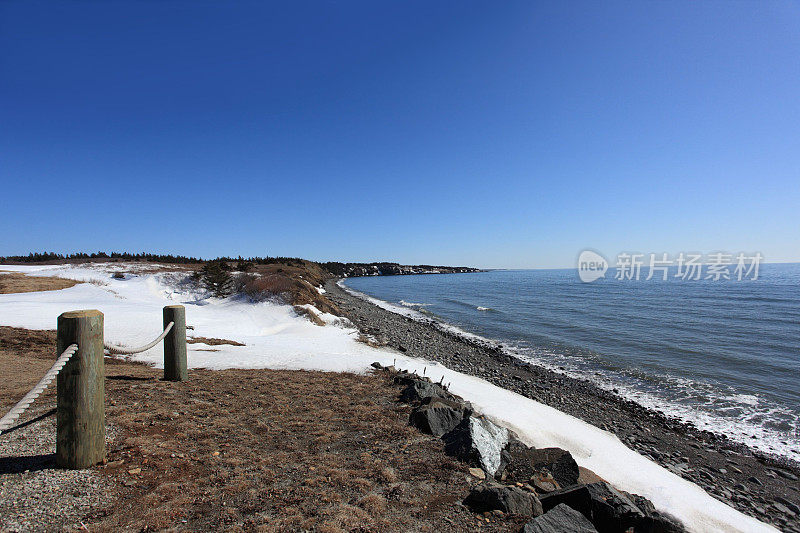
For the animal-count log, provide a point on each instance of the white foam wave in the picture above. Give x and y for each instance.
(747, 429)
(412, 304)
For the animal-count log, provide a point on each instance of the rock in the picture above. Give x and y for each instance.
(544, 482)
(526, 463)
(560, 519)
(376, 365)
(791, 505)
(604, 506)
(577, 497)
(419, 390)
(754, 480)
(655, 521)
(478, 442)
(404, 378)
(477, 472)
(439, 416)
(491, 497)
(781, 508)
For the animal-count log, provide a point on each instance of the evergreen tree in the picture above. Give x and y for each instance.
(216, 278)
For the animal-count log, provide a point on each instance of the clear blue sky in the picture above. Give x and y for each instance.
(494, 134)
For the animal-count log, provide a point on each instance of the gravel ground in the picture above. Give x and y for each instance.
(761, 486)
(35, 496)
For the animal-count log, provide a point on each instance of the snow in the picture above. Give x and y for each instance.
(489, 440)
(275, 337)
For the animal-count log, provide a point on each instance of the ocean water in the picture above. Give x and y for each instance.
(722, 354)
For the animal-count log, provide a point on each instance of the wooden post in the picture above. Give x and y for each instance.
(175, 344)
(81, 421)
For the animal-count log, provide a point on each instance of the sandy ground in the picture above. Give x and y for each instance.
(233, 450)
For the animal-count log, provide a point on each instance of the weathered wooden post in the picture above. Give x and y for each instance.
(81, 420)
(175, 344)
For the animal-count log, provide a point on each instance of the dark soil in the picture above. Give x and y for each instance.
(250, 450)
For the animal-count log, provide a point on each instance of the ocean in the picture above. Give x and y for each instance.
(724, 354)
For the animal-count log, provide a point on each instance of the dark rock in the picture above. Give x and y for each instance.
(791, 505)
(491, 497)
(578, 497)
(544, 482)
(528, 463)
(376, 365)
(654, 521)
(605, 507)
(439, 416)
(781, 508)
(420, 389)
(477, 442)
(560, 519)
(409, 379)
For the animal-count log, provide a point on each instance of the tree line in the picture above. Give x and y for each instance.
(41, 257)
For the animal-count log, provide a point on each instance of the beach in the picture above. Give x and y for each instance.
(752, 482)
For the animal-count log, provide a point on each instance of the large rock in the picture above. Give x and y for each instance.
(419, 390)
(578, 497)
(560, 519)
(654, 521)
(438, 416)
(494, 497)
(608, 509)
(526, 464)
(478, 442)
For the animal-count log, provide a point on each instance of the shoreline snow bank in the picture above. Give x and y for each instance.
(276, 338)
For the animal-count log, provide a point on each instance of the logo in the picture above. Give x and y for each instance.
(591, 266)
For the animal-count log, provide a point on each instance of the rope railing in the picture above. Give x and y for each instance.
(119, 350)
(22, 406)
(80, 399)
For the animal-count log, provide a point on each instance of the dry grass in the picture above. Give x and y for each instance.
(261, 450)
(309, 314)
(294, 284)
(25, 355)
(12, 282)
(212, 341)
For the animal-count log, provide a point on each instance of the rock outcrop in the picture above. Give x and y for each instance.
(508, 499)
(560, 519)
(544, 483)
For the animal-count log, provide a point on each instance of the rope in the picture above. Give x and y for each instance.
(118, 350)
(40, 387)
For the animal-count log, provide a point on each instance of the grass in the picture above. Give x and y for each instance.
(13, 282)
(259, 450)
(212, 341)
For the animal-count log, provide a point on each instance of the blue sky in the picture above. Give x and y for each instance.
(494, 134)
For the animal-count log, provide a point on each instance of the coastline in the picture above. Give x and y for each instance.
(750, 481)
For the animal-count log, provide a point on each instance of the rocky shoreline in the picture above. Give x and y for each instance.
(543, 485)
(765, 487)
